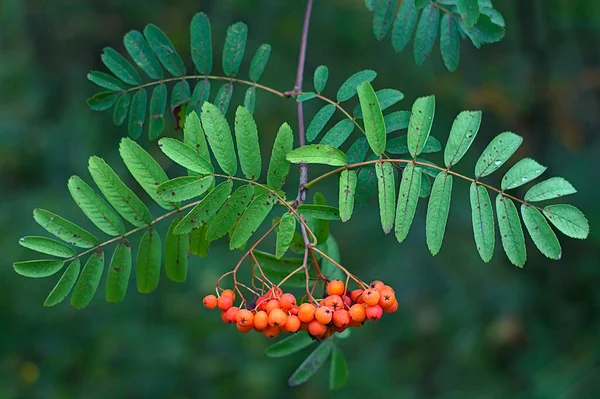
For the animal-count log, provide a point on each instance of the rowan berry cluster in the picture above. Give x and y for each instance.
(275, 311)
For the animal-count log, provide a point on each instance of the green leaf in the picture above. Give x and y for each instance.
(199, 96)
(285, 234)
(450, 42)
(118, 194)
(118, 273)
(38, 268)
(549, 189)
(145, 170)
(235, 45)
(513, 240)
(338, 373)
(198, 243)
(102, 101)
(383, 17)
(485, 31)
(497, 153)
(425, 186)
(495, 17)
(47, 246)
(312, 363)
(320, 227)
(395, 121)
(483, 221)
(463, 132)
(348, 179)
(251, 219)
(408, 198)
(319, 121)
(305, 97)
(319, 154)
(223, 97)
(184, 188)
(105, 81)
(385, 97)
(148, 262)
(321, 212)
(137, 114)
(193, 135)
(437, 212)
(164, 50)
(521, 173)
(205, 209)
(421, 3)
(367, 182)
(374, 123)
(421, 120)
(246, 136)
(250, 99)
(142, 54)
(230, 212)
(64, 285)
(279, 166)
(404, 25)
(278, 269)
(176, 252)
(469, 11)
(330, 270)
(88, 282)
(348, 89)
(63, 229)
(94, 207)
(121, 109)
(289, 345)
(339, 133)
(399, 145)
(201, 43)
(540, 231)
(122, 68)
(426, 33)
(568, 219)
(185, 156)
(387, 194)
(371, 4)
(320, 78)
(259, 62)
(180, 95)
(219, 137)
(358, 151)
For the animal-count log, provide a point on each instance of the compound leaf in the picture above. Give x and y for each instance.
(229, 213)
(164, 50)
(142, 54)
(251, 219)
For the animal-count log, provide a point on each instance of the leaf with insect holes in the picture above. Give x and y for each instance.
(320, 78)
(279, 166)
(205, 209)
(259, 61)
(374, 124)
(142, 54)
(235, 45)
(185, 156)
(121, 109)
(149, 258)
(118, 273)
(568, 219)
(47, 246)
(63, 229)
(387, 194)
(88, 281)
(289, 345)
(38, 268)
(201, 43)
(285, 234)
(319, 121)
(319, 154)
(251, 219)
(404, 25)
(502, 147)
(176, 252)
(408, 197)
(164, 50)
(421, 120)
(554, 187)
(64, 286)
(339, 133)
(348, 89)
(540, 231)
(521, 173)
(348, 179)
(426, 33)
(483, 221)
(463, 132)
(312, 363)
(511, 232)
(219, 137)
(437, 212)
(137, 114)
(319, 211)
(122, 68)
(450, 42)
(246, 136)
(383, 16)
(233, 208)
(184, 188)
(338, 373)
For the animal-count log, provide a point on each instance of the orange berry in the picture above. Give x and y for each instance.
(272, 332)
(224, 316)
(231, 314)
(315, 328)
(374, 312)
(392, 308)
(334, 301)
(210, 301)
(274, 292)
(292, 324)
(261, 303)
(261, 320)
(387, 287)
(358, 313)
(306, 312)
(224, 302)
(323, 315)
(377, 285)
(272, 305)
(336, 287)
(386, 298)
(243, 328)
(371, 297)
(341, 318)
(277, 318)
(294, 310)
(287, 301)
(244, 318)
(355, 295)
(229, 293)
(355, 324)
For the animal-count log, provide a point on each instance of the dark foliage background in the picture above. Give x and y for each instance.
(465, 329)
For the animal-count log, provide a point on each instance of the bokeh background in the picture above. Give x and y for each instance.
(465, 329)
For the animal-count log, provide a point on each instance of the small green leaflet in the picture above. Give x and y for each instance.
(408, 198)
(201, 43)
(193, 135)
(105, 81)
(502, 147)
(320, 212)
(425, 186)
(137, 114)
(184, 188)
(118, 194)
(469, 11)
(328, 268)
(250, 99)
(421, 120)
(289, 345)
(246, 136)
(63, 229)
(450, 42)
(205, 209)
(338, 373)
(395, 121)
(483, 221)
(421, 3)
(233, 208)
(176, 252)
(223, 97)
(47, 246)
(348, 89)
(279, 166)
(305, 97)
(404, 25)
(319, 121)
(185, 156)
(64, 285)
(399, 145)
(149, 258)
(118, 65)
(277, 269)
(463, 132)
(199, 96)
(121, 109)
(158, 104)
(387, 194)
(385, 97)
(521, 173)
(312, 363)
(142, 54)
(513, 240)
(102, 101)
(549, 189)
(235, 45)
(38, 268)
(437, 212)
(164, 50)
(373, 118)
(285, 234)
(358, 150)
(251, 219)
(320, 78)
(219, 137)
(366, 185)
(319, 154)
(348, 180)
(94, 207)
(484, 31)
(320, 227)
(198, 243)
(118, 273)
(88, 282)
(568, 219)
(339, 133)
(370, 4)
(259, 61)
(540, 231)
(383, 17)
(426, 33)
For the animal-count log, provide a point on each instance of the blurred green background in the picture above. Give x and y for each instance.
(465, 329)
